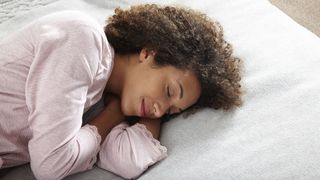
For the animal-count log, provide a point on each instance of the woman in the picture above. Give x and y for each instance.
(154, 60)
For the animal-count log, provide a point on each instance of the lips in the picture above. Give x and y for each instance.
(142, 109)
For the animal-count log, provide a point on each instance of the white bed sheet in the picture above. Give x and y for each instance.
(274, 135)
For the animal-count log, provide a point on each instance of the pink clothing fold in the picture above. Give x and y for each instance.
(129, 150)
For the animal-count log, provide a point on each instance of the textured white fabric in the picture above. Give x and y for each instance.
(10, 9)
(275, 134)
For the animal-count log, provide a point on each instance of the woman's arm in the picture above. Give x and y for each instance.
(62, 70)
(109, 117)
(153, 125)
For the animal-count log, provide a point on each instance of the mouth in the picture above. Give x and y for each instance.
(142, 109)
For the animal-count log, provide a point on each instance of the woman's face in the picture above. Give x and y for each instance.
(151, 91)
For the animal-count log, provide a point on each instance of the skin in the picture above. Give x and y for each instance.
(135, 79)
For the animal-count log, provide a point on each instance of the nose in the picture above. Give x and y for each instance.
(160, 110)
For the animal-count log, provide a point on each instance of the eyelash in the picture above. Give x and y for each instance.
(169, 95)
(168, 91)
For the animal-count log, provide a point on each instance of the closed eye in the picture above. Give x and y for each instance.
(168, 112)
(168, 95)
(168, 92)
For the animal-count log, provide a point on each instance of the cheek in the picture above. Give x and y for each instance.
(127, 100)
(151, 86)
(130, 98)
(154, 90)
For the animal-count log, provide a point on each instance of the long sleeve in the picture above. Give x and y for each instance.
(129, 150)
(66, 59)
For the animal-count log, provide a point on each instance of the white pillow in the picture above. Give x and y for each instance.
(275, 134)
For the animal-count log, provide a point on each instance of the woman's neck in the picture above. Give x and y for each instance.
(118, 74)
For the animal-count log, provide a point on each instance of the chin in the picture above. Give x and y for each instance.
(125, 110)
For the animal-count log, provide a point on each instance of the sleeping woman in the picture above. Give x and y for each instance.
(149, 62)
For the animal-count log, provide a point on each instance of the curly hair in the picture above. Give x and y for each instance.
(183, 38)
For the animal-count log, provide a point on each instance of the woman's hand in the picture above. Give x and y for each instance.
(109, 117)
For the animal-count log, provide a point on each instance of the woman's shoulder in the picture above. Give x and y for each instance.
(72, 25)
(71, 20)
(80, 32)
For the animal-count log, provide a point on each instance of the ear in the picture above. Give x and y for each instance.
(146, 55)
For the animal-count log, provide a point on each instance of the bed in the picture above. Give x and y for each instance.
(273, 135)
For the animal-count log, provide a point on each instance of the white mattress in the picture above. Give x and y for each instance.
(274, 135)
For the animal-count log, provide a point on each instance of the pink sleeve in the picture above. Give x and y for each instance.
(129, 150)
(64, 64)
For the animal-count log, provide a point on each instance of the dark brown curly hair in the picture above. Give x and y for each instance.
(185, 39)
